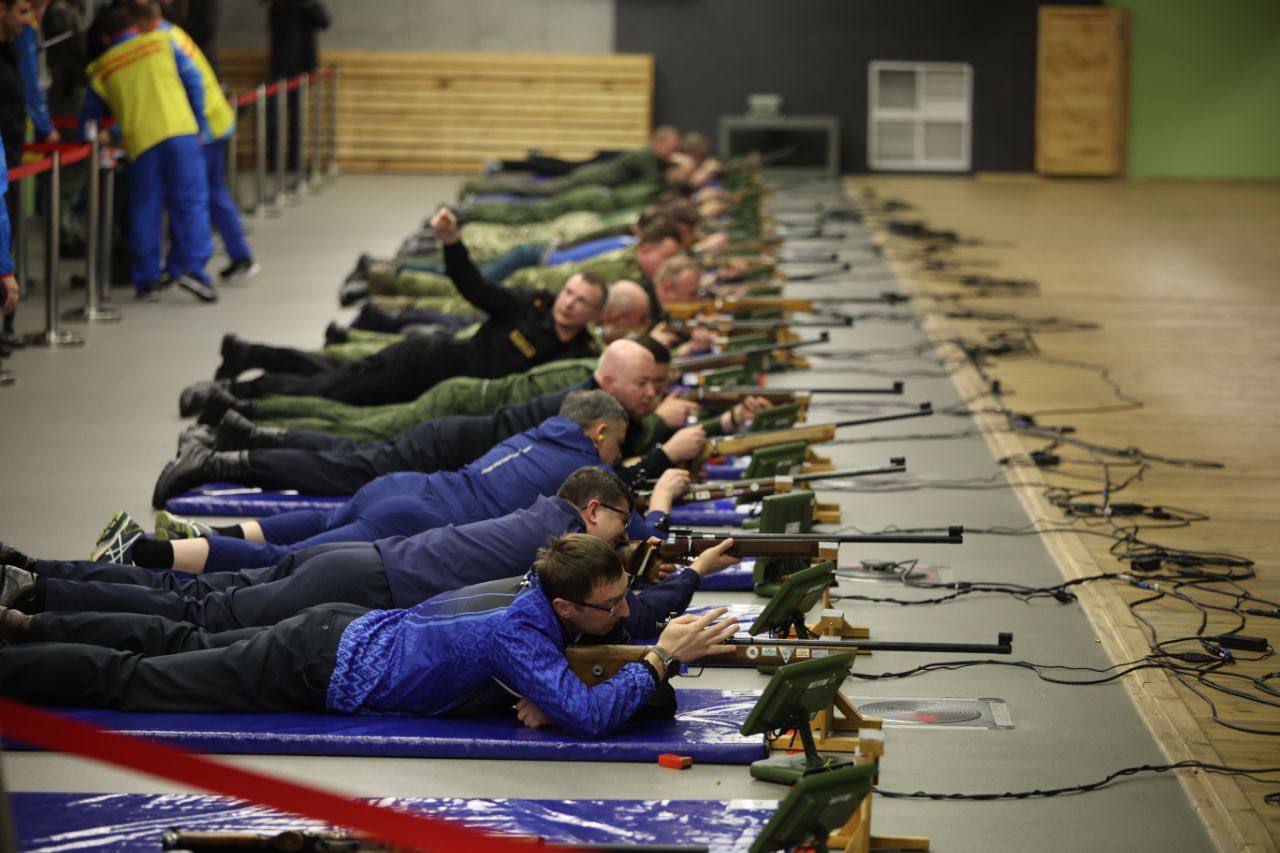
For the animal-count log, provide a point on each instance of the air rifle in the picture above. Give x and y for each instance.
(738, 445)
(734, 357)
(594, 664)
(684, 544)
(719, 305)
(772, 485)
(728, 325)
(731, 395)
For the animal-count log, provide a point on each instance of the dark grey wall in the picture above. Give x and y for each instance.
(710, 54)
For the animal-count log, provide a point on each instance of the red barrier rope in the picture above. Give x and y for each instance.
(54, 731)
(291, 84)
(72, 152)
(72, 123)
(19, 172)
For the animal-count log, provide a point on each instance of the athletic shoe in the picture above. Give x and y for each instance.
(351, 291)
(240, 269)
(148, 295)
(7, 377)
(115, 545)
(199, 289)
(170, 526)
(14, 625)
(17, 586)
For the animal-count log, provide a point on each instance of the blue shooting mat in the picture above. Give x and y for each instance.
(737, 578)
(705, 728)
(124, 823)
(590, 249)
(248, 502)
(243, 501)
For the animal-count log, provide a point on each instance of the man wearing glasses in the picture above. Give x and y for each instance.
(456, 653)
(394, 572)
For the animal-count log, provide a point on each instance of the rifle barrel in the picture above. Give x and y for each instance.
(925, 410)
(1002, 646)
(953, 536)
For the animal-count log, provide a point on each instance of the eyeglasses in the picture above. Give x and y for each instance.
(612, 608)
(625, 513)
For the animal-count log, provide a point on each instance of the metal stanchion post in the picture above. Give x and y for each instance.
(91, 311)
(304, 130)
(106, 243)
(21, 255)
(52, 336)
(333, 119)
(260, 151)
(313, 134)
(282, 152)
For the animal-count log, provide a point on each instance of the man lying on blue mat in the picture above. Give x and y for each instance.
(458, 653)
(588, 431)
(401, 571)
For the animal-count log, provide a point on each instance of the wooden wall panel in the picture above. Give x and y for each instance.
(449, 112)
(1082, 89)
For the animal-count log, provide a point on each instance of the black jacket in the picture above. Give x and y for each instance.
(294, 24)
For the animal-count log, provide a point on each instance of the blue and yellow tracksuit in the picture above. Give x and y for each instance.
(157, 97)
(221, 118)
(28, 47)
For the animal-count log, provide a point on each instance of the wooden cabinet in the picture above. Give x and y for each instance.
(1082, 91)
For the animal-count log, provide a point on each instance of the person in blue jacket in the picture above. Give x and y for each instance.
(399, 571)
(9, 291)
(28, 47)
(511, 476)
(457, 653)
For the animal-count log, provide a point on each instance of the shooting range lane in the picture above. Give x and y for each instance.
(1063, 735)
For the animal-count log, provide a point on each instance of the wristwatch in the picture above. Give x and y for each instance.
(670, 662)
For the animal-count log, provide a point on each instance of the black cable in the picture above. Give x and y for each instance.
(1252, 773)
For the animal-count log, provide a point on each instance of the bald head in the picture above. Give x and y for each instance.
(627, 310)
(626, 370)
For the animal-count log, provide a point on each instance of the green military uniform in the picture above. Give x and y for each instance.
(462, 395)
(632, 167)
(432, 290)
(593, 197)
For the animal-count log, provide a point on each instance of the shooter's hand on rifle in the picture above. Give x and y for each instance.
(673, 483)
(700, 340)
(714, 559)
(737, 417)
(686, 445)
(690, 637)
(675, 411)
(530, 714)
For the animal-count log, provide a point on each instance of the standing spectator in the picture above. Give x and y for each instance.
(15, 18)
(202, 19)
(157, 97)
(294, 24)
(8, 284)
(221, 119)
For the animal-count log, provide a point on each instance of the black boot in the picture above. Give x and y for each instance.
(197, 434)
(193, 397)
(234, 357)
(236, 432)
(216, 404)
(17, 587)
(14, 626)
(11, 556)
(197, 465)
(336, 334)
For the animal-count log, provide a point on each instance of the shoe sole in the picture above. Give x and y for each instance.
(249, 272)
(199, 290)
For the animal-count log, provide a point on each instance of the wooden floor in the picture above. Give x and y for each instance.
(1184, 279)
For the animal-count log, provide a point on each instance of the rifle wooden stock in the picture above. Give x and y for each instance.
(686, 310)
(739, 445)
(684, 547)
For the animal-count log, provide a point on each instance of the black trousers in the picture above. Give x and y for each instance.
(350, 572)
(147, 663)
(553, 167)
(288, 360)
(396, 374)
(317, 463)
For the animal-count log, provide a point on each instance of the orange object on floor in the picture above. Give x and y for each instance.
(675, 762)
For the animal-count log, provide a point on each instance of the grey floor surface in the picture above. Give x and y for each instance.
(86, 431)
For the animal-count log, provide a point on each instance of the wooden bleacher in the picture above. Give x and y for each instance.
(449, 112)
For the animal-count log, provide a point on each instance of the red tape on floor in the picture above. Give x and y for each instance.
(418, 832)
